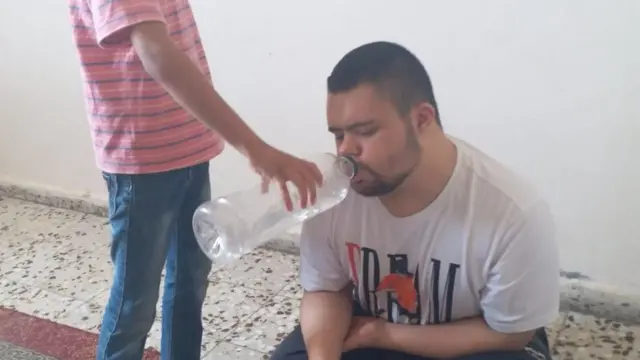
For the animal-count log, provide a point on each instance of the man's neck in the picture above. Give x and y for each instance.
(426, 182)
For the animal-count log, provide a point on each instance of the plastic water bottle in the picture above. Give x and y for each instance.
(233, 225)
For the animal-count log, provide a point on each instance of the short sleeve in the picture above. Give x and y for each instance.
(112, 19)
(320, 265)
(522, 292)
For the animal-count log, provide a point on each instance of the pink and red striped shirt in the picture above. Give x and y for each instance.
(136, 125)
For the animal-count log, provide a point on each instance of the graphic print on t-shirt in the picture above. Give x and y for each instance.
(399, 288)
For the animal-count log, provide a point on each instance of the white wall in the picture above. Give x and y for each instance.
(549, 87)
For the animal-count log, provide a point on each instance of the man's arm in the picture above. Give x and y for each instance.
(521, 295)
(452, 340)
(141, 23)
(182, 79)
(177, 73)
(325, 311)
(325, 317)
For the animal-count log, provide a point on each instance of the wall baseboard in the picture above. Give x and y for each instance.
(577, 294)
(81, 202)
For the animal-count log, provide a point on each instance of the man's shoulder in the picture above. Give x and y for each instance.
(494, 182)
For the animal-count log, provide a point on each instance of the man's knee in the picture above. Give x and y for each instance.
(131, 315)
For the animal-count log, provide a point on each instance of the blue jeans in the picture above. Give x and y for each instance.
(150, 217)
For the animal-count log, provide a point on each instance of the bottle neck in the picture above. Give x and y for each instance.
(347, 166)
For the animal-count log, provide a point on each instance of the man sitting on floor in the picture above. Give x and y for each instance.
(438, 252)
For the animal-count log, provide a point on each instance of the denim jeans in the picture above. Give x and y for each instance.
(150, 217)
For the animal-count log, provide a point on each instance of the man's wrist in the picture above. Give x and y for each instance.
(253, 146)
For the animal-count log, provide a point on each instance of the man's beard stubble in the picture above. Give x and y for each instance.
(381, 186)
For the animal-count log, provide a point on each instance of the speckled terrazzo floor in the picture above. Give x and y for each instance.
(54, 264)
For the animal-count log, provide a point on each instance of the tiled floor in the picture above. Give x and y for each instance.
(54, 265)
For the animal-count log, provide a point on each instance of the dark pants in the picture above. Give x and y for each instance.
(292, 348)
(150, 219)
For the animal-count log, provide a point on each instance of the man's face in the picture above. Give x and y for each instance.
(367, 127)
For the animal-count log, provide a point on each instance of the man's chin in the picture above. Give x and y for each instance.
(370, 191)
(364, 190)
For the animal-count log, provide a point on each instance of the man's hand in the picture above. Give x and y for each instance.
(273, 164)
(181, 78)
(364, 332)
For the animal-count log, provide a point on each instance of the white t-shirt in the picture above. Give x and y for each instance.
(486, 246)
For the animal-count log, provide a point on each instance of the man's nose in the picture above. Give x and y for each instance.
(349, 147)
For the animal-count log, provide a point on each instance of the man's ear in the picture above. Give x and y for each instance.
(423, 115)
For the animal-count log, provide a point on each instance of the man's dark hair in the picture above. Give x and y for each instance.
(391, 68)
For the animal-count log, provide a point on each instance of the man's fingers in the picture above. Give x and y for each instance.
(264, 185)
(316, 174)
(303, 188)
(305, 175)
(286, 197)
(310, 182)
